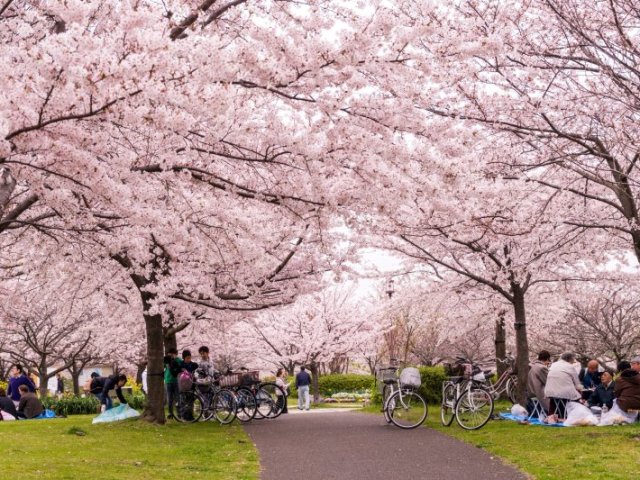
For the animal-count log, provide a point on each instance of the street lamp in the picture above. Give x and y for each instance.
(390, 288)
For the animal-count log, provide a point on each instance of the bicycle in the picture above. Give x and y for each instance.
(220, 403)
(466, 399)
(507, 383)
(404, 407)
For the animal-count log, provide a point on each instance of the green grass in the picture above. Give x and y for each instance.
(72, 448)
(546, 453)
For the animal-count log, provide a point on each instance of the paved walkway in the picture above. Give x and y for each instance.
(326, 445)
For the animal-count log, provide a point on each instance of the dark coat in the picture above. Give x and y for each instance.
(30, 405)
(627, 390)
(602, 395)
(7, 405)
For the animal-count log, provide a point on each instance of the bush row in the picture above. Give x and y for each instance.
(330, 384)
(430, 389)
(72, 405)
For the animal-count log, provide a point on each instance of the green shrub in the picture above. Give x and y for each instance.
(330, 384)
(136, 401)
(72, 405)
(430, 389)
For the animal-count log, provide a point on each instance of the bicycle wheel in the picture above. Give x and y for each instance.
(448, 404)
(512, 389)
(247, 407)
(189, 407)
(407, 409)
(223, 406)
(264, 403)
(474, 408)
(277, 396)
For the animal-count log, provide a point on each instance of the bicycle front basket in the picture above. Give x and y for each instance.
(410, 377)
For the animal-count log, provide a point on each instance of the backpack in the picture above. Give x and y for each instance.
(185, 381)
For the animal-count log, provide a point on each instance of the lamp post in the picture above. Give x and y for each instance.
(390, 288)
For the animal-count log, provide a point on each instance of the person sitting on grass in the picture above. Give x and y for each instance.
(6, 404)
(603, 394)
(30, 405)
(114, 382)
(563, 385)
(627, 388)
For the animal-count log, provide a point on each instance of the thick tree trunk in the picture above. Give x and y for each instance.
(522, 344)
(43, 378)
(315, 385)
(154, 409)
(170, 341)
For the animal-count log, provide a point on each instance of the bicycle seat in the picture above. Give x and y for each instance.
(389, 381)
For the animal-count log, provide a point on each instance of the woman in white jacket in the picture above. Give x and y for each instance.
(563, 384)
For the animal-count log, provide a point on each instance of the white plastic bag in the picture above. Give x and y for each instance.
(7, 416)
(579, 415)
(116, 414)
(616, 416)
(519, 411)
(410, 377)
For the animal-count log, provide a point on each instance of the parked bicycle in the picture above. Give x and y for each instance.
(506, 384)
(466, 398)
(402, 405)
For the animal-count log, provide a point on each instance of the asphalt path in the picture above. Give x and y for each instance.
(334, 444)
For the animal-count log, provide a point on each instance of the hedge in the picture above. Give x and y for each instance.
(72, 405)
(330, 384)
(431, 388)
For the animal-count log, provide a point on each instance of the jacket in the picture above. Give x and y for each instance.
(536, 381)
(30, 405)
(562, 382)
(96, 386)
(172, 367)
(303, 379)
(112, 384)
(15, 382)
(602, 395)
(627, 390)
(7, 405)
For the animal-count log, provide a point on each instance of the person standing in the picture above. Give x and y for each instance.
(18, 377)
(205, 365)
(281, 402)
(59, 385)
(303, 381)
(172, 368)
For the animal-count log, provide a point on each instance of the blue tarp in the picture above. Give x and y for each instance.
(44, 415)
(532, 421)
(116, 414)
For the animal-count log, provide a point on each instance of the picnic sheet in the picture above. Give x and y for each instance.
(532, 421)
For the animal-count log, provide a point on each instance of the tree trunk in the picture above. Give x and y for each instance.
(170, 341)
(42, 376)
(500, 343)
(315, 385)
(154, 409)
(75, 378)
(522, 344)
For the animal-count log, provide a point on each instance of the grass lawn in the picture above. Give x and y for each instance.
(545, 453)
(51, 449)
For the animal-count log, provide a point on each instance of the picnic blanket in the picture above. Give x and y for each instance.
(532, 421)
(116, 414)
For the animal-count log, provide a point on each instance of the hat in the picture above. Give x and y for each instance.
(636, 359)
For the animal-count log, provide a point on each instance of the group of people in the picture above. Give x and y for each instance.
(20, 399)
(551, 386)
(204, 369)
